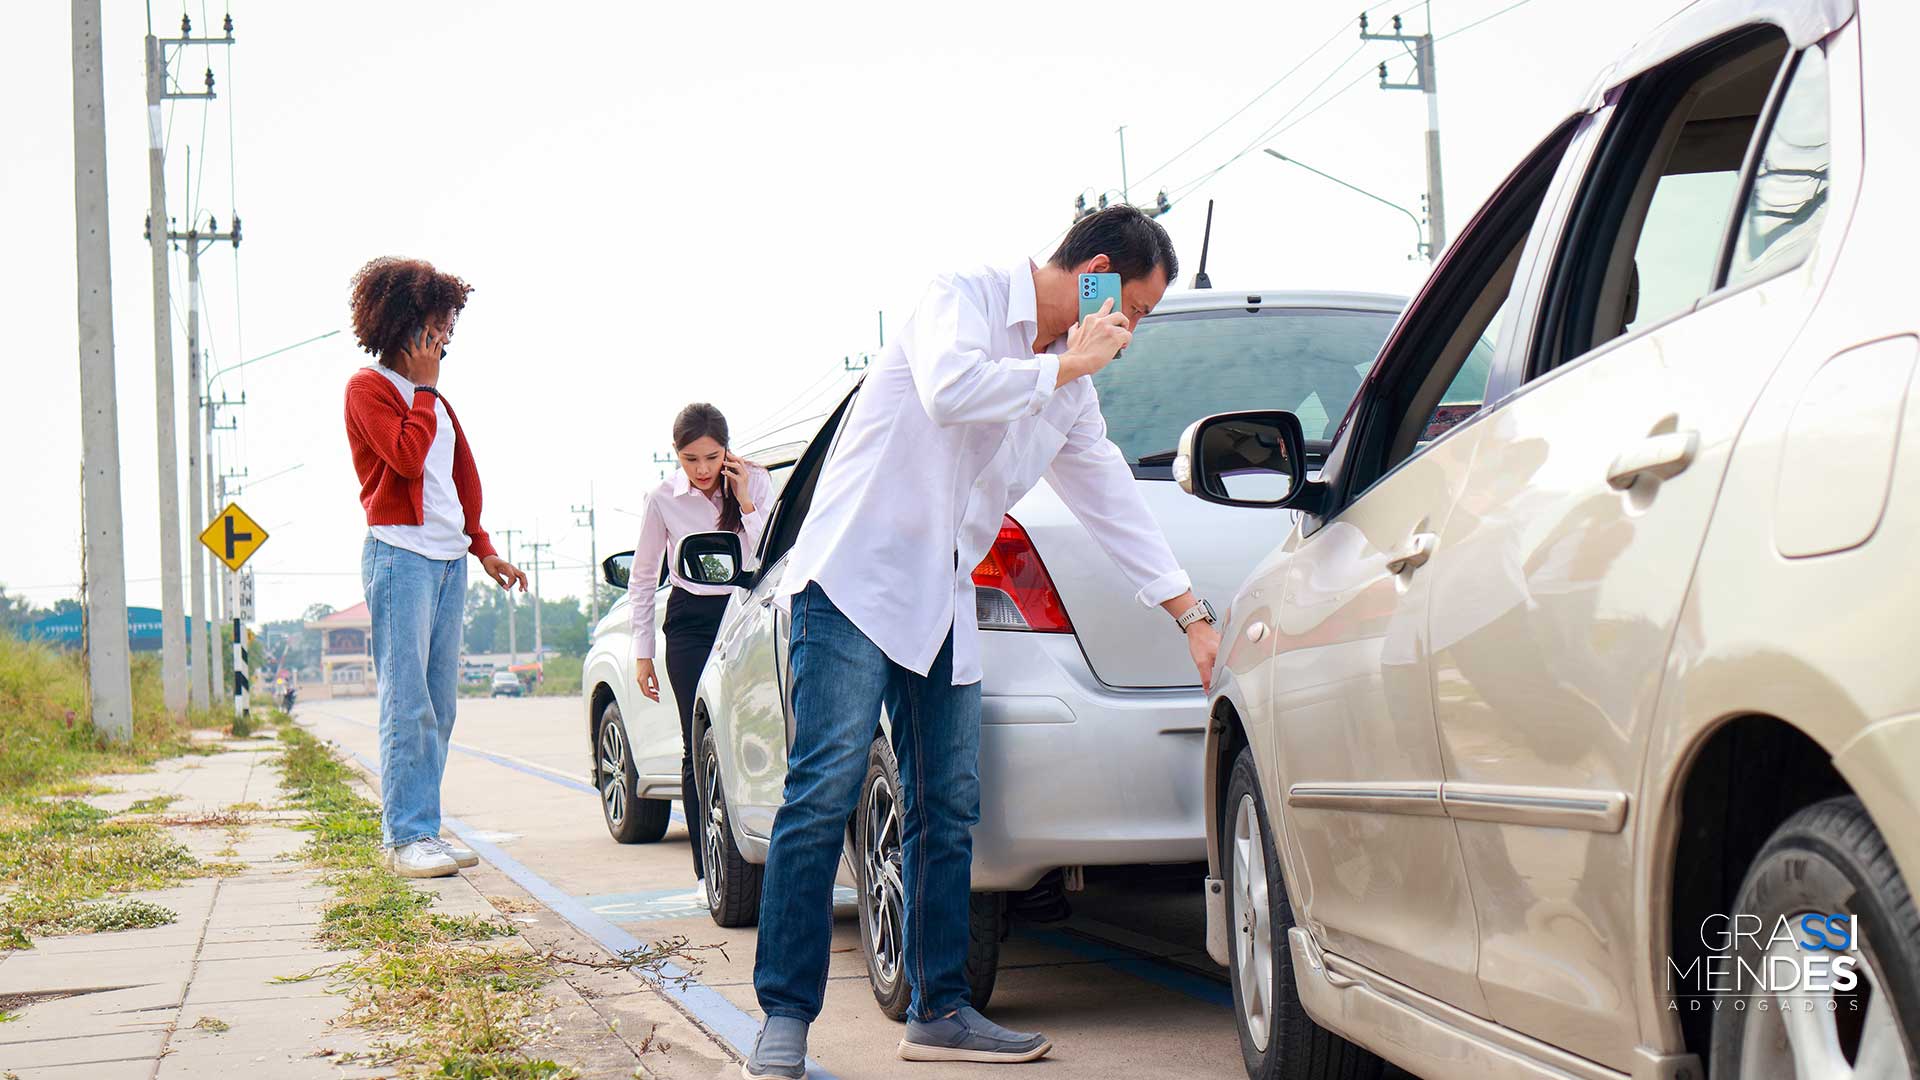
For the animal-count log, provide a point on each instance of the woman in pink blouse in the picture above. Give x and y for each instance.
(712, 491)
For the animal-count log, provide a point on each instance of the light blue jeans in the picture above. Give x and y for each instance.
(418, 605)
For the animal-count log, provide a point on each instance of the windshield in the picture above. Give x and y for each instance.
(1181, 367)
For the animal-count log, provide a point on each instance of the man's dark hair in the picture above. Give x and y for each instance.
(1132, 241)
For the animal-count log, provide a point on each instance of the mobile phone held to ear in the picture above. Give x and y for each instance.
(1097, 289)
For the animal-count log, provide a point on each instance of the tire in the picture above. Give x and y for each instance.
(1828, 859)
(733, 883)
(875, 854)
(1281, 1042)
(630, 819)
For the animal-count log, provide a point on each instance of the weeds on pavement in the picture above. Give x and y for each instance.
(449, 1002)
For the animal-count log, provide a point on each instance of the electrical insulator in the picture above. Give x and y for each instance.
(186, 25)
(236, 230)
(1162, 202)
(209, 80)
(1103, 202)
(1363, 22)
(1396, 24)
(229, 24)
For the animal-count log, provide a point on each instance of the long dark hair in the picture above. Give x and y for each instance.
(698, 421)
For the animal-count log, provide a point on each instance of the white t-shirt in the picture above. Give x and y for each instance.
(442, 533)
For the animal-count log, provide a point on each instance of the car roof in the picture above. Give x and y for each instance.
(1803, 21)
(1175, 303)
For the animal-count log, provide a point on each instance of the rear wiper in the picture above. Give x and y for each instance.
(1158, 457)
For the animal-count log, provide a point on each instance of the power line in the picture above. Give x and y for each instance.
(1271, 87)
(1482, 19)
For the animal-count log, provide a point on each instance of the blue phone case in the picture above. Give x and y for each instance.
(1097, 289)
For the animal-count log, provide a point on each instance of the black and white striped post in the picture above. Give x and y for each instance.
(241, 697)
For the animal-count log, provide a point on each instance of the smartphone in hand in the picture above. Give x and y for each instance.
(1097, 289)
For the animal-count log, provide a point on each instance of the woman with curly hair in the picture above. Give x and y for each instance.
(421, 492)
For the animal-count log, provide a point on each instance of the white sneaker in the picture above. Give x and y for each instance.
(464, 856)
(421, 859)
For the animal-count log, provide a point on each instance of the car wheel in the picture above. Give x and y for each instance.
(630, 819)
(880, 880)
(1277, 1037)
(733, 883)
(1828, 859)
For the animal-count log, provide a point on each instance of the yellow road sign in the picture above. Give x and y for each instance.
(233, 537)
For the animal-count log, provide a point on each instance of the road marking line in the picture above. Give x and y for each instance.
(706, 1005)
(532, 768)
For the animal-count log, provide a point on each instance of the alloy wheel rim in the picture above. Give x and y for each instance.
(613, 772)
(712, 838)
(1252, 924)
(1800, 1036)
(882, 888)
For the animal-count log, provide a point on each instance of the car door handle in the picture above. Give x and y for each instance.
(1413, 554)
(1662, 457)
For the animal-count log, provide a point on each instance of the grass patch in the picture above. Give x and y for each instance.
(446, 1001)
(213, 1024)
(154, 805)
(58, 857)
(560, 677)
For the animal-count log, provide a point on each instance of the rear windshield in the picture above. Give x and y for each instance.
(1181, 367)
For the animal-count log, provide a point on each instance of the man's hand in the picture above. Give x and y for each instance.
(503, 572)
(1094, 343)
(645, 679)
(1203, 644)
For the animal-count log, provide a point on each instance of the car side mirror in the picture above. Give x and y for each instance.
(616, 569)
(712, 558)
(1245, 459)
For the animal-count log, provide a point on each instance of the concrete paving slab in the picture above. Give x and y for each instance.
(131, 1069)
(135, 1008)
(82, 1049)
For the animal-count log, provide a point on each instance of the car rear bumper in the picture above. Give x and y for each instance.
(1077, 773)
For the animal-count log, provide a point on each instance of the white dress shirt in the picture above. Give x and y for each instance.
(676, 509)
(442, 532)
(957, 420)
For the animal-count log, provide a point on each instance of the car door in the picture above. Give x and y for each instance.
(1375, 868)
(750, 652)
(1567, 556)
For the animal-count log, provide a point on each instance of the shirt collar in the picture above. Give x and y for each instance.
(1022, 305)
(681, 485)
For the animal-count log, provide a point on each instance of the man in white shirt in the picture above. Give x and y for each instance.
(984, 393)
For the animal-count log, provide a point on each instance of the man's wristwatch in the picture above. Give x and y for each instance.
(1201, 611)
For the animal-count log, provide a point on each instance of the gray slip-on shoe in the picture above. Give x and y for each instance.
(780, 1053)
(968, 1036)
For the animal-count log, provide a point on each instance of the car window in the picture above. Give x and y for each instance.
(1436, 368)
(1651, 223)
(1186, 365)
(1788, 200)
(796, 494)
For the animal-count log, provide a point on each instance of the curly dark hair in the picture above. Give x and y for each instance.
(394, 297)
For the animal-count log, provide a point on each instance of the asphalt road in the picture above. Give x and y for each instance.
(1124, 987)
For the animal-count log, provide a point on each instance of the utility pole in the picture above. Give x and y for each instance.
(513, 636)
(109, 681)
(1424, 81)
(1125, 196)
(197, 241)
(593, 561)
(173, 640)
(537, 547)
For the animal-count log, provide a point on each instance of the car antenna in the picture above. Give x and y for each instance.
(1200, 278)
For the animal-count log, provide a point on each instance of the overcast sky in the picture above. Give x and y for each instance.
(666, 203)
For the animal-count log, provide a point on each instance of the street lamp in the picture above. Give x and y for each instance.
(1422, 249)
(254, 360)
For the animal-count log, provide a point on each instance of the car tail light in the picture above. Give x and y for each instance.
(1011, 589)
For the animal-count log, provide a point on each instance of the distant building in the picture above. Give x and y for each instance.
(346, 651)
(63, 630)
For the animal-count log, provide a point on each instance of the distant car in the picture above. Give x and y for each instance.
(507, 684)
(1549, 729)
(1093, 717)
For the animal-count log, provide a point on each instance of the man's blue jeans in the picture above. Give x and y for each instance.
(417, 606)
(840, 680)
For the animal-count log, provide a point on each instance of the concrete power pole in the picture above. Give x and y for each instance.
(536, 547)
(513, 636)
(173, 640)
(593, 563)
(1424, 81)
(109, 681)
(204, 673)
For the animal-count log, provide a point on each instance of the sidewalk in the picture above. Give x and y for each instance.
(199, 997)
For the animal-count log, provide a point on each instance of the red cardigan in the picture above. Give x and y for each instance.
(390, 439)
